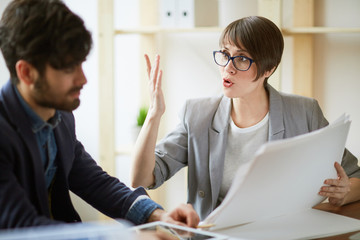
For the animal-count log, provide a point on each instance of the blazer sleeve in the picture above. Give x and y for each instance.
(99, 189)
(171, 153)
(90, 182)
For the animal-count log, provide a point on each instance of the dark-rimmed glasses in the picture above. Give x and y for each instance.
(241, 63)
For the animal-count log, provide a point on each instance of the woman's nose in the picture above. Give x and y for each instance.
(230, 67)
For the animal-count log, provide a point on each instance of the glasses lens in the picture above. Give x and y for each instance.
(242, 63)
(221, 58)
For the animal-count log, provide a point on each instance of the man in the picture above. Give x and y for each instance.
(44, 45)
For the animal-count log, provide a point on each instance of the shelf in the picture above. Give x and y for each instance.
(154, 30)
(318, 30)
(285, 31)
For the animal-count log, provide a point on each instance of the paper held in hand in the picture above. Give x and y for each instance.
(284, 177)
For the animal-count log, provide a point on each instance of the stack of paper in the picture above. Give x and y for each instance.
(282, 183)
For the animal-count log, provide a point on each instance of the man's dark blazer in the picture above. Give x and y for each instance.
(24, 198)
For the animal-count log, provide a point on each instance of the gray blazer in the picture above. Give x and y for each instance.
(200, 138)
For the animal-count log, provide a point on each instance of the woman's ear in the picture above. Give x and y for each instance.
(268, 73)
(26, 72)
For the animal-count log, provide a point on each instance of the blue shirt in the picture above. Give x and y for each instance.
(44, 132)
(141, 210)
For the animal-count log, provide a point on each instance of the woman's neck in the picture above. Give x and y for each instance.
(248, 111)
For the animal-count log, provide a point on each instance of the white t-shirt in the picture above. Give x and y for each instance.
(241, 146)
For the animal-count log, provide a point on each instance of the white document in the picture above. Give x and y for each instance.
(283, 179)
(307, 224)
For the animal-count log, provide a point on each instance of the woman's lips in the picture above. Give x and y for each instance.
(227, 83)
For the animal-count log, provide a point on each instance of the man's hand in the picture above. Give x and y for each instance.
(337, 189)
(184, 215)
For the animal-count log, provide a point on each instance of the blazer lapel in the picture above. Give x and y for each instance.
(65, 148)
(42, 194)
(219, 131)
(276, 119)
(21, 123)
(217, 142)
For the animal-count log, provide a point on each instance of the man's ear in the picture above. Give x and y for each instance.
(26, 72)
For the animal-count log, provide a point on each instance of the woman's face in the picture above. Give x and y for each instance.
(236, 83)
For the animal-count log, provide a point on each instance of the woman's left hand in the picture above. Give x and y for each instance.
(336, 189)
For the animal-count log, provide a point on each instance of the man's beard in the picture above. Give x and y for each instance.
(46, 97)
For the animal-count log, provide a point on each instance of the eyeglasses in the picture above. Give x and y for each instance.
(241, 63)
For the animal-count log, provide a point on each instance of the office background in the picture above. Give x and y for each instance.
(189, 72)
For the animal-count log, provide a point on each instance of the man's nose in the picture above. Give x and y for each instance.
(81, 78)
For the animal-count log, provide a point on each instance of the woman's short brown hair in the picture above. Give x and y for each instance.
(261, 38)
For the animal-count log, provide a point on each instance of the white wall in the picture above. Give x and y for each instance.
(337, 65)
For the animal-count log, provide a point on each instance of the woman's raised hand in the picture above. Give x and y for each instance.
(157, 102)
(144, 153)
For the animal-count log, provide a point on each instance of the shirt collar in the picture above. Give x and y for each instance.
(36, 122)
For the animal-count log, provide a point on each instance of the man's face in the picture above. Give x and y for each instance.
(59, 89)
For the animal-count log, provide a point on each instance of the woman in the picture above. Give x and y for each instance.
(217, 135)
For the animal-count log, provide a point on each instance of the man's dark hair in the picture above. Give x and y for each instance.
(42, 32)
